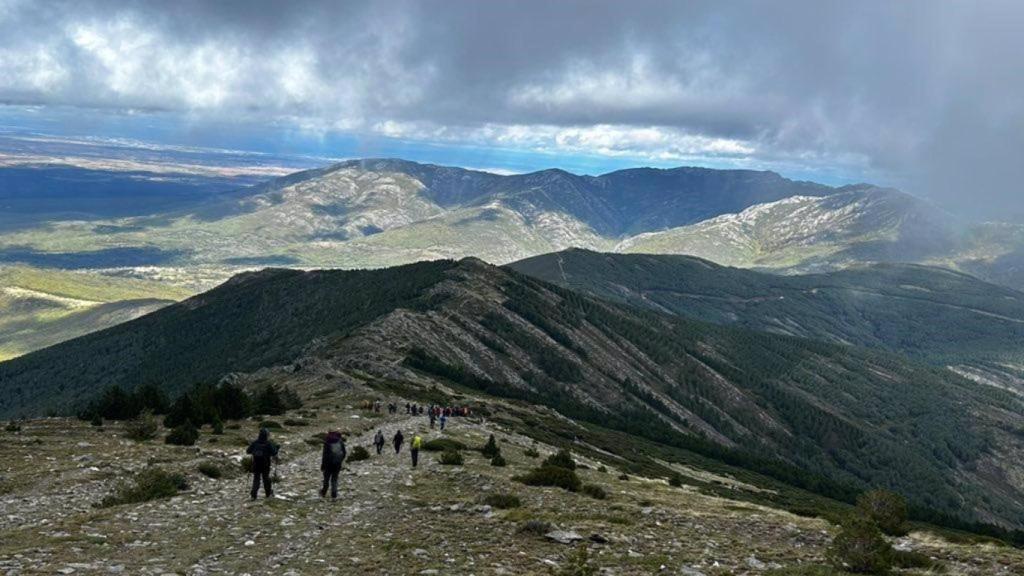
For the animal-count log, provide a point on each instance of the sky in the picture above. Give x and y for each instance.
(925, 95)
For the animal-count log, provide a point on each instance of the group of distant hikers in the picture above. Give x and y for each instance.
(264, 452)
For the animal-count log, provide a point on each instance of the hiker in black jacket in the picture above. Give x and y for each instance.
(378, 441)
(262, 451)
(398, 440)
(330, 462)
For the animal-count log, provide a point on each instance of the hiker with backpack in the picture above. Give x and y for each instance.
(398, 440)
(330, 462)
(262, 452)
(378, 441)
(414, 449)
(444, 420)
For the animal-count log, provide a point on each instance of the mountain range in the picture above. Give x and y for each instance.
(816, 414)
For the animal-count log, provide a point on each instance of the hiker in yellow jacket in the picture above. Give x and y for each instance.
(415, 449)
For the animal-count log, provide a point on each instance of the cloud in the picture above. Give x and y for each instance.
(925, 93)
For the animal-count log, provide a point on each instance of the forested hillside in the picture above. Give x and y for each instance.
(936, 315)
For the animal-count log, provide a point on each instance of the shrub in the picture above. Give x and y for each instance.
(886, 509)
(531, 453)
(675, 480)
(491, 448)
(860, 547)
(210, 470)
(183, 435)
(535, 527)
(295, 422)
(594, 491)
(911, 559)
(246, 464)
(141, 428)
(268, 401)
(602, 469)
(271, 425)
(13, 427)
(578, 564)
(624, 477)
(498, 460)
(443, 445)
(502, 501)
(150, 484)
(97, 420)
(561, 459)
(451, 458)
(552, 476)
(217, 427)
(357, 454)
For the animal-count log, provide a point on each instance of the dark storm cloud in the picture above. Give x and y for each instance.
(927, 92)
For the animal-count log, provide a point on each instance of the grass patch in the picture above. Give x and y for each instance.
(451, 458)
(210, 470)
(502, 501)
(150, 484)
(295, 422)
(535, 527)
(594, 491)
(443, 445)
(555, 476)
(358, 454)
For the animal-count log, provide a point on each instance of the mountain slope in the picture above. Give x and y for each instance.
(936, 315)
(39, 308)
(857, 417)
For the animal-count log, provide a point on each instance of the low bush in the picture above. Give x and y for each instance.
(271, 425)
(531, 453)
(358, 454)
(498, 460)
(860, 547)
(886, 509)
(246, 464)
(911, 559)
(624, 477)
(141, 428)
(578, 564)
(491, 448)
(13, 427)
(535, 527)
(183, 435)
(602, 469)
(443, 445)
(210, 470)
(217, 427)
(295, 422)
(150, 484)
(97, 420)
(552, 476)
(451, 458)
(561, 459)
(594, 491)
(675, 480)
(502, 501)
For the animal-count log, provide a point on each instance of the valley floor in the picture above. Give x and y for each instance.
(390, 518)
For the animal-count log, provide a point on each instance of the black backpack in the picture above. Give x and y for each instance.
(336, 453)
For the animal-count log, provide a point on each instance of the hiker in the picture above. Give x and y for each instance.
(398, 441)
(408, 408)
(414, 449)
(430, 414)
(330, 462)
(262, 451)
(378, 441)
(444, 420)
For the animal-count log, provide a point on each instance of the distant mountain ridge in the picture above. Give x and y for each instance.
(939, 316)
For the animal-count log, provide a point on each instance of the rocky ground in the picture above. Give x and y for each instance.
(390, 518)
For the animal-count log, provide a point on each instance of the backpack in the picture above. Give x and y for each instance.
(259, 451)
(335, 453)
